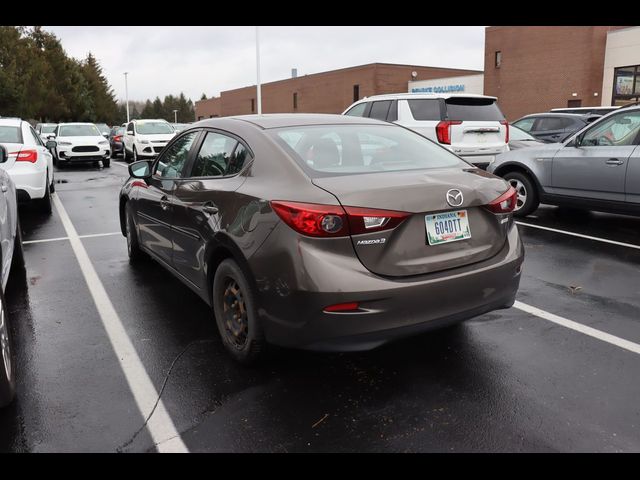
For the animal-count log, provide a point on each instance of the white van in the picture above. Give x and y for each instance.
(471, 126)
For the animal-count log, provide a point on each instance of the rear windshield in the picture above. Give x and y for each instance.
(473, 109)
(153, 128)
(48, 128)
(79, 131)
(10, 135)
(330, 150)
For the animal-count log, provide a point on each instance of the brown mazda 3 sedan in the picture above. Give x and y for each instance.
(323, 232)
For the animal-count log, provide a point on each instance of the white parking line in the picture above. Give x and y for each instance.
(574, 234)
(160, 426)
(120, 165)
(578, 327)
(27, 242)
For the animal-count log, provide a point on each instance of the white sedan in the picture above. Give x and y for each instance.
(29, 162)
(80, 143)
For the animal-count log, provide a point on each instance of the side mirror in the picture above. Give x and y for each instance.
(141, 169)
(130, 132)
(105, 135)
(51, 144)
(51, 135)
(3, 154)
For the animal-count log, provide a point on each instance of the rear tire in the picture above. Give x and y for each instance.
(45, 202)
(133, 246)
(234, 307)
(7, 373)
(528, 200)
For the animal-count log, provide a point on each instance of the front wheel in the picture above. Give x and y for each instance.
(7, 374)
(106, 163)
(527, 194)
(236, 314)
(133, 246)
(135, 155)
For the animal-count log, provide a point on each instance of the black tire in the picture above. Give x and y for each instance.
(45, 202)
(135, 155)
(133, 246)
(106, 163)
(125, 154)
(233, 295)
(52, 186)
(528, 199)
(17, 261)
(7, 361)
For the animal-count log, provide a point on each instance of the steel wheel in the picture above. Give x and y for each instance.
(5, 345)
(522, 192)
(235, 314)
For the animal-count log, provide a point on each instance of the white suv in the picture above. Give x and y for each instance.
(29, 163)
(471, 126)
(146, 138)
(80, 143)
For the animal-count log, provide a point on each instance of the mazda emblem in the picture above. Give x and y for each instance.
(454, 197)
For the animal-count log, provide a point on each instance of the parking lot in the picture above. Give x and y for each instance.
(113, 357)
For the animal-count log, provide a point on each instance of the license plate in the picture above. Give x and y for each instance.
(447, 227)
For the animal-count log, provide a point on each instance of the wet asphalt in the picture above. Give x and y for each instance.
(504, 382)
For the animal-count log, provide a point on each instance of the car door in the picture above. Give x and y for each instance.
(595, 164)
(632, 181)
(205, 203)
(155, 209)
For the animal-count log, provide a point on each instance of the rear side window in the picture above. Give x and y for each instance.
(525, 124)
(379, 110)
(473, 109)
(425, 109)
(10, 135)
(550, 123)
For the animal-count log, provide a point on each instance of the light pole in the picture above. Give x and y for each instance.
(175, 116)
(259, 96)
(126, 92)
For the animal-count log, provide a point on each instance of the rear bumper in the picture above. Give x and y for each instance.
(391, 308)
(29, 180)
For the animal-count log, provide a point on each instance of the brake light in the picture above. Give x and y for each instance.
(335, 221)
(117, 138)
(367, 220)
(443, 130)
(506, 136)
(505, 203)
(26, 156)
(313, 219)
(343, 307)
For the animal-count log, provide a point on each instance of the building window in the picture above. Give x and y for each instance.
(356, 93)
(253, 105)
(498, 59)
(626, 85)
(295, 101)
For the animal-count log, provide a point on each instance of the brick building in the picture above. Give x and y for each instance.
(534, 69)
(326, 92)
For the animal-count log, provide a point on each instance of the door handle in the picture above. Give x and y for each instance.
(614, 161)
(4, 188)
(210, 208)
(164, 202)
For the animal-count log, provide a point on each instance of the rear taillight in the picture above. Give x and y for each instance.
(443, 130)
(117, 138)
(335, 221)
(367, 220)
(506, 135)
(313, 219)
(26, 156)
(505, 203)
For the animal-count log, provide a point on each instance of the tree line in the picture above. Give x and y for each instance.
(39, 81)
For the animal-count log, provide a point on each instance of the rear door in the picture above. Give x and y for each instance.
(205, 203)
(597, 168)
(155, 203)
(478, 127)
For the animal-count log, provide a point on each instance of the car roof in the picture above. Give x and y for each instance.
(10, 122)
(149, 120)
(585, 108)
(406, 96)
(278, 120)
(75, 123)
(580, 116)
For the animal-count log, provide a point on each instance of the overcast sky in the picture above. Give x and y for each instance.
(195, 60)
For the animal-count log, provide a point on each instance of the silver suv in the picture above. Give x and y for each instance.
(471, 126)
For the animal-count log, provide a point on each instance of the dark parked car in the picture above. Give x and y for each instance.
(521, 139)
(597, 168)
(553, 127)
(323, 232)
(115, 141)
(12, 263)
